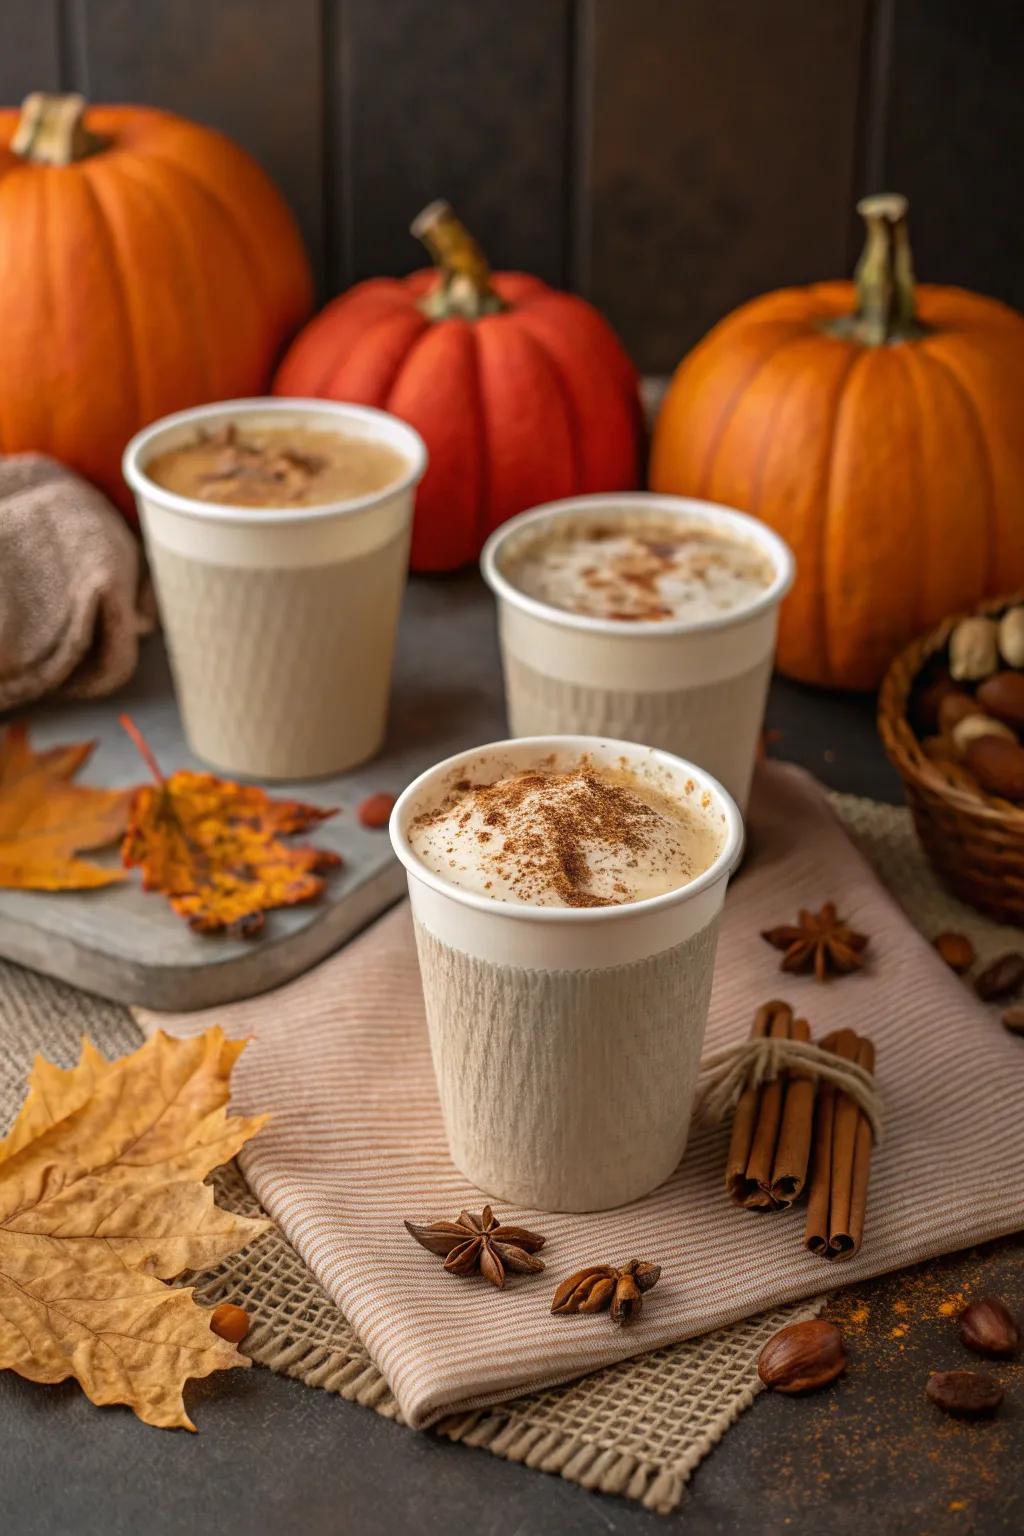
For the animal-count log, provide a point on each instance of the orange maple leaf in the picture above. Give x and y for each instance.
(214, 847)
(45, 818)
(102, 1199)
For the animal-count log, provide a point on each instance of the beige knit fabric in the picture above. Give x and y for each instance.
(355, 1142)
(604, 1064)
(70, 607)
(714, 724)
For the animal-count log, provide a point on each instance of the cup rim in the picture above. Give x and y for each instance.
(219, 512)
(750, 527)
(721, 868)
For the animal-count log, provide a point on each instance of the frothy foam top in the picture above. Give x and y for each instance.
(586, 836)
(637, 567)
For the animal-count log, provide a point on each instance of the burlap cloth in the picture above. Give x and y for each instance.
(71, 609)
(638, 1427)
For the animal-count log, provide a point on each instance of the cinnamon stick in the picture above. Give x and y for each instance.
(789, 1170)
(744, 1122)
(771, 1131)
(841, 1163)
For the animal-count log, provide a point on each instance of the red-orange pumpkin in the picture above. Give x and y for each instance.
(880, 431)
(146, 264)
(521, 393)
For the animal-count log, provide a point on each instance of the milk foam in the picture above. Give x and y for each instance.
(637, 567)
(584, 837)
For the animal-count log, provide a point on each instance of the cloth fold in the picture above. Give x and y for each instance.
(71, 608)
(340, 1057)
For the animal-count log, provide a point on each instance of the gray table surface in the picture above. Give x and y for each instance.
(274, 1457)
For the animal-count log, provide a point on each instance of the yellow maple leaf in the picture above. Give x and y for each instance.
(102, 1199)
(45, 818)
(214, 847)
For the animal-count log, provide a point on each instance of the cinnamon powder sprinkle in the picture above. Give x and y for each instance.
(575, 839)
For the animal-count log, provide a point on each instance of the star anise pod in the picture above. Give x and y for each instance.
(819, 941)
(605, 1285)
(481, 1243)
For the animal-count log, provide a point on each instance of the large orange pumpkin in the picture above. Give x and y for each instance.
(880, 430)
(146, 264)
(521, 393)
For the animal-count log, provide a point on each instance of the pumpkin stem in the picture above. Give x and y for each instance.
(51, 130)
(464, 286)
(884, 277)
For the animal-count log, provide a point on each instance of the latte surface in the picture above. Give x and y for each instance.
(637, 568)
(276, 467)
(586, 836)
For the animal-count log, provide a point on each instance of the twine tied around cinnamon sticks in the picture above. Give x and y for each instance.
(798, 1106)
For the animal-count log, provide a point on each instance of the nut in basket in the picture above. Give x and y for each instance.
(951, 718)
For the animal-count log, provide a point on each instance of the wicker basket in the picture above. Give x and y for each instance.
(975, 841)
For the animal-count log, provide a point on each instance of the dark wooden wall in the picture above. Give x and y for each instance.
(667, 158)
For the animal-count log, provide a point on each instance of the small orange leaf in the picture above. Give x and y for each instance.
(214, 848)
(45, 818)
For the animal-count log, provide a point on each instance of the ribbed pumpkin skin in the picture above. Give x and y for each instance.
(896, 473)
(158, 273)
(524, 406)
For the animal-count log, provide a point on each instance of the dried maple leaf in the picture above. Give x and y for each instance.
(45, 818)
(101, 1200)
(214, 848)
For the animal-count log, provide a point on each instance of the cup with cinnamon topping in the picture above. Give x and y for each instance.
(278, 534)
(647, 617)
(566, 894)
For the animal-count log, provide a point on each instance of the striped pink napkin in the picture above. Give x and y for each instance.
(340, 1058)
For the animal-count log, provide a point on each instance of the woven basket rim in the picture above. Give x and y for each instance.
(901, 744)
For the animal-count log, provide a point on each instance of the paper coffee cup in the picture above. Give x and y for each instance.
(566, 1041)
(280, 622)
(694, 688)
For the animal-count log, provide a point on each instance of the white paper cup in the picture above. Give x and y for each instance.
(566, 1041)
(280, 622)
(694, 688)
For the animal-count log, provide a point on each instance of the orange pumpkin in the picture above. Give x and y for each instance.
(146, 264)
(521, 393)
(879, 429)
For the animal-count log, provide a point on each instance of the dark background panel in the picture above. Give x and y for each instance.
(29, 48)
(466, 101)
(955, 139)
(252, 68)
(668, 158)
(722, 157)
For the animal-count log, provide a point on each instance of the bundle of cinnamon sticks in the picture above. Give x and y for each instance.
(793, 1133)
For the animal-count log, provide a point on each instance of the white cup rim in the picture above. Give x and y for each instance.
(217, 512)
(750, 528)
(721, 868)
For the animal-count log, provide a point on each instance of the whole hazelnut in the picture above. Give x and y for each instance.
(990, 1328)
(1002, 695)
(973, 649)
(802, 1357)
(973, 727)
(957, 951)
(1011, 637)
(955, 707)
(998, 766)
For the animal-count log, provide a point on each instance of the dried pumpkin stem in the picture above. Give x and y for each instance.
(51, 130)
(464, 286)
(886, 312)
